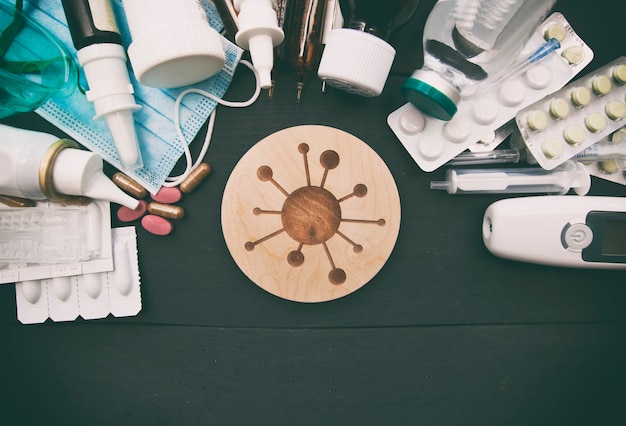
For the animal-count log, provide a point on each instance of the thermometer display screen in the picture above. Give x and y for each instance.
(609, 237)
(614, 238)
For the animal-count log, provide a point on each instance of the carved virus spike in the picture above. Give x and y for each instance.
(336, 275)
(265, 173)
(379, 222)
(357, 248)
(359, 191)
(257, 211)
(296, 258)
(329, 160)
(251, 244)
(304, 149)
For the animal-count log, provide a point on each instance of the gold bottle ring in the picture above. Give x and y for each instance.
(45, 171)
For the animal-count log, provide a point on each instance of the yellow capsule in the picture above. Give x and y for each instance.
(129, 185)
(169, 211)
(16, 201)
(195, 178)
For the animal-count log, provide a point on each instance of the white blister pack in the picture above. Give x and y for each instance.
(432, 142)
(586, 110)
(90, 295)
(53, 240)
(611, 169)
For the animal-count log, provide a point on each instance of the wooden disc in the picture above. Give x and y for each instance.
(310, 213)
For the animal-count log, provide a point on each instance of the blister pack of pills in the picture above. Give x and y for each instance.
(92, 295)
(432, 142)
(54, 240)
(586, 110)
(608, 167)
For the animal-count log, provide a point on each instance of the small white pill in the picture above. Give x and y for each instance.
(556, 31)
(430, 149)
(580, 96)
(485, 111)
(32, 290)
(559, 108)
(412, 121)
(619, 74)
(62, 287)
(457, 130)
(538, 77)
(537, 120)
(595, 122)
(512, 94)
(552, 148)
(615, 110)
(92, 284)
(574, 134)
(573, 55)
(601, 85)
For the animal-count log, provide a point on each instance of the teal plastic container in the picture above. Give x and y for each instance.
(34, 65)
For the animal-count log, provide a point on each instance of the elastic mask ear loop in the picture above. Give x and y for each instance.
(191, 166)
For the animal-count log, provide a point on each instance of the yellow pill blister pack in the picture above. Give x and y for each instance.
(585, 111)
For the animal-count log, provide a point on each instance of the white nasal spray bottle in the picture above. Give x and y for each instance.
(259, 33)
(40, 166)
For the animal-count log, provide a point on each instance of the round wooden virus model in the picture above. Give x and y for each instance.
(310, 213)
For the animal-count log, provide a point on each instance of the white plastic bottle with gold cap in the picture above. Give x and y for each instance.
(40, 166)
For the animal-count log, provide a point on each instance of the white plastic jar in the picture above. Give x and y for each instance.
(173, 44)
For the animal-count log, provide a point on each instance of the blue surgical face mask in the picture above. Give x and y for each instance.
(160, 146)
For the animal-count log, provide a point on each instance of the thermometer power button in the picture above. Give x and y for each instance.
(577, 236)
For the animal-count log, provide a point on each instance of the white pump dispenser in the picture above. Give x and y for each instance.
(258, 32)
(41, 166)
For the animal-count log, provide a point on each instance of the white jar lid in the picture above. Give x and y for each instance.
(356, 62)
(177, 57)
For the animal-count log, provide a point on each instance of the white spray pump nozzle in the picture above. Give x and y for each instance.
(259, 33)
(79, 172)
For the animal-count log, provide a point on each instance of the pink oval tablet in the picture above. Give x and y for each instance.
(157, 225)
(127, 215)
(167, 195)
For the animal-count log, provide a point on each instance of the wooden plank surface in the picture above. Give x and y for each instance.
(445, 333)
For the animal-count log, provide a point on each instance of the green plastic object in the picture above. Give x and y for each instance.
(429, 99)
(34, 65)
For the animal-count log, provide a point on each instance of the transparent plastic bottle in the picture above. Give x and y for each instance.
(467, 41)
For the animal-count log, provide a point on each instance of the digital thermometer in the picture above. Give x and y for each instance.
(559, 230)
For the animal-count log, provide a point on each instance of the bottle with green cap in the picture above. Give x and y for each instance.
(467, 42)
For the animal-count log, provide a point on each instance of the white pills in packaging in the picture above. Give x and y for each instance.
(585, 111)
(90, 295)
(432, 142)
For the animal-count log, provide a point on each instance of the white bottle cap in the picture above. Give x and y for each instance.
(79, 172)
(259, 33)
(356, 62)
(175, 57)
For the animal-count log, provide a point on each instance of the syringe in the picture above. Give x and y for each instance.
(569, 175)
(524, 65)
(468, 158)
(602, 151)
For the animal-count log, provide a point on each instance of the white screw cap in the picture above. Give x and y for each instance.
(356, 62)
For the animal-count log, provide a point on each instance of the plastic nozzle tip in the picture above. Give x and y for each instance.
(100, 187)
(262, 55)
(442, 185)
(122, 127)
